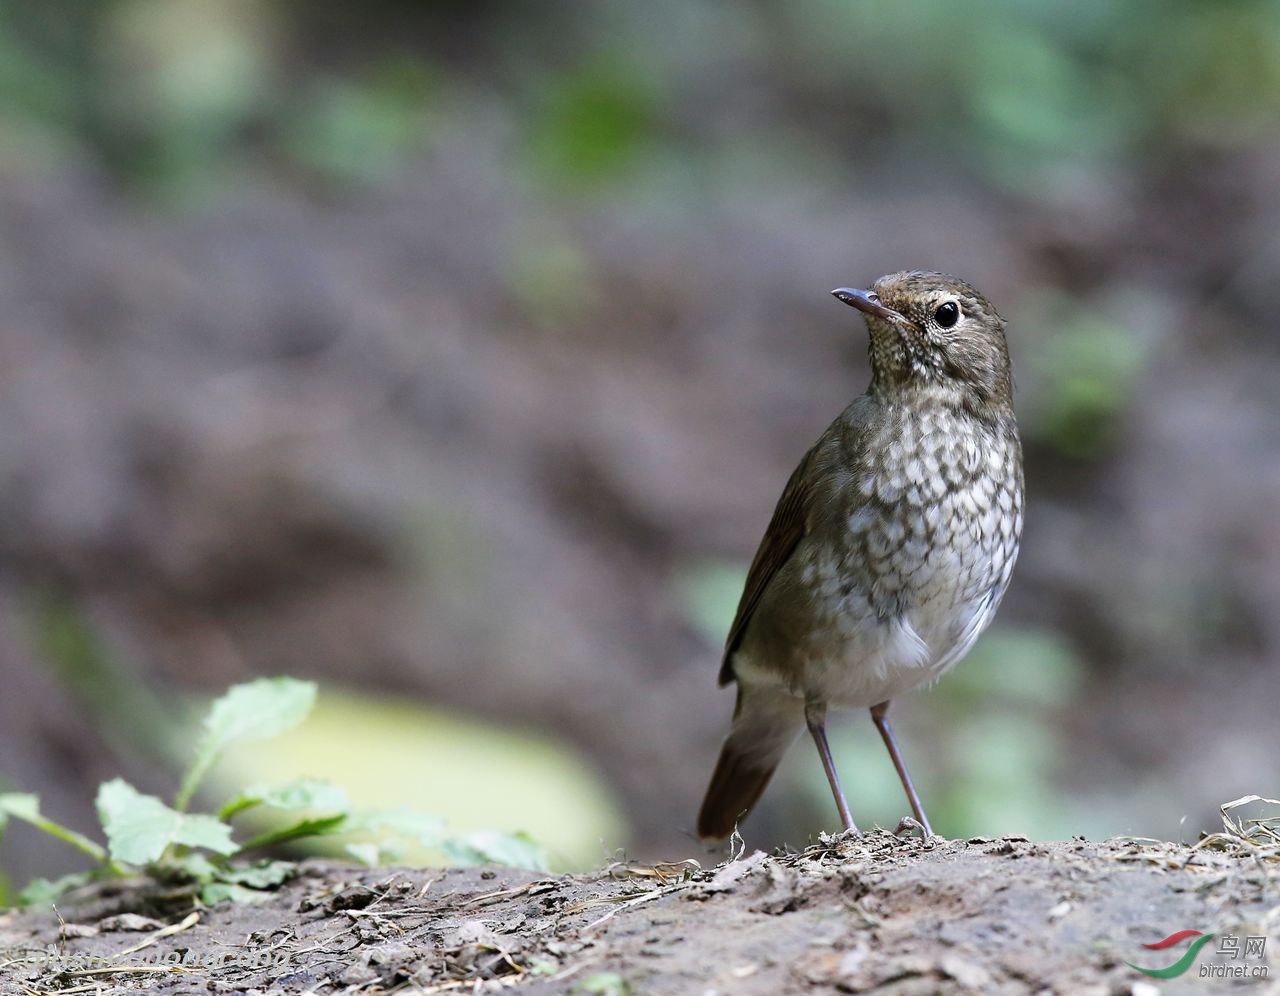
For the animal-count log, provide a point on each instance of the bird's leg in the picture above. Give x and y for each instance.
(815, 715)
(880, 716)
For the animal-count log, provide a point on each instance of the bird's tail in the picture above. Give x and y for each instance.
(764, 724)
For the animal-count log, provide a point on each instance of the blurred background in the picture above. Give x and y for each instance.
(455, 354)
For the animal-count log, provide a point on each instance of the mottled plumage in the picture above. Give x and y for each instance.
(891, 546)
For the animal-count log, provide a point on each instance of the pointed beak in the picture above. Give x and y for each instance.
(868, 302)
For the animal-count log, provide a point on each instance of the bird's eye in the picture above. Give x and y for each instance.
(947, 315)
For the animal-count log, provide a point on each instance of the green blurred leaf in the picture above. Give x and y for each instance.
(260, 874)
(490, 846)
(428, 831)
(193, 866)
(42, 891)
(1035, 92)
(1001, 767)
(1022, 667)
(174, 86)
(251, 711)
(23, 805)
(317, 826)
(592, 124)
(605, 984)
(1086, 372)
(366, 853)
(26, 807)
(222, 892)
(1002, 744)
(360, 130)
(123, 706)
(552, 279)
(140, 828)
(709, 592)
(301, 793)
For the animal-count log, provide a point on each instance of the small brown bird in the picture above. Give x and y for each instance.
(891, 546)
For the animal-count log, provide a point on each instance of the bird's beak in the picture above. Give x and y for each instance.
(869, 303)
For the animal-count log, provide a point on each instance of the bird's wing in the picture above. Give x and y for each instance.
(786, 528)
(803, 497)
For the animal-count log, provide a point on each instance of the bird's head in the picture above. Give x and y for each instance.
(935, 335)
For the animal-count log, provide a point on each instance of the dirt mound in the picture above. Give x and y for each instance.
(877, 913)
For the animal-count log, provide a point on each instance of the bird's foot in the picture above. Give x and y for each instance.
(908, 824)
(840, 837)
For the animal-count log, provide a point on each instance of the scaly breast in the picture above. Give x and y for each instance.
(929, 536)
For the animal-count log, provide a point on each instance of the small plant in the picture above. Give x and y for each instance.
(201, 851)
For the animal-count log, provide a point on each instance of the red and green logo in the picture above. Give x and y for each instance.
(1183, 963)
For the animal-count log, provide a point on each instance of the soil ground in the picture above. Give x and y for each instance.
(878, 913)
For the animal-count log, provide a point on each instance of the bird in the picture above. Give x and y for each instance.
(890, 548)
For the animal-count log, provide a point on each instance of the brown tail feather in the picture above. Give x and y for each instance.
(735, 788)
(764, 724)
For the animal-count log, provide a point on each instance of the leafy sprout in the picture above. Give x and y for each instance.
(208, 852)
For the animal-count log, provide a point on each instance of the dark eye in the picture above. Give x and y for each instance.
(947, 315)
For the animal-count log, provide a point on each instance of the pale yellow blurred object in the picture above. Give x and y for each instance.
(388, 754)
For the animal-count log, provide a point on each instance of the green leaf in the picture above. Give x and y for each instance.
(252, 711)
(42, 891)
(709, 591)
(302, 793)
(480, 847)
(375, 854)
(221, 892)
(261, 874)
(320, 826)
(141, 827)
(605, 984)
(360, 131)
(191, 867)
(225, 882)
(593, 124)
(26, 807)
(1086, 372)
(23, 805)
(428, 831)
(1023, 666)
(366, 854)
(491, 846)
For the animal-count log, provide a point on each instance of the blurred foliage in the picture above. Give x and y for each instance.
(1032, 97)
(358, 131)
(1085, 372)
(1039, 95)
(551, 278)
(200, 853)
(128, 709)
(710, 590)
(184, 79)
(389, 753)
(1004, 739)
(358, 741)
(604, 984)
(168, 95)
(591, 124)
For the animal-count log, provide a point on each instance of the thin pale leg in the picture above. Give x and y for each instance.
(815, 715)
(880, 716)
